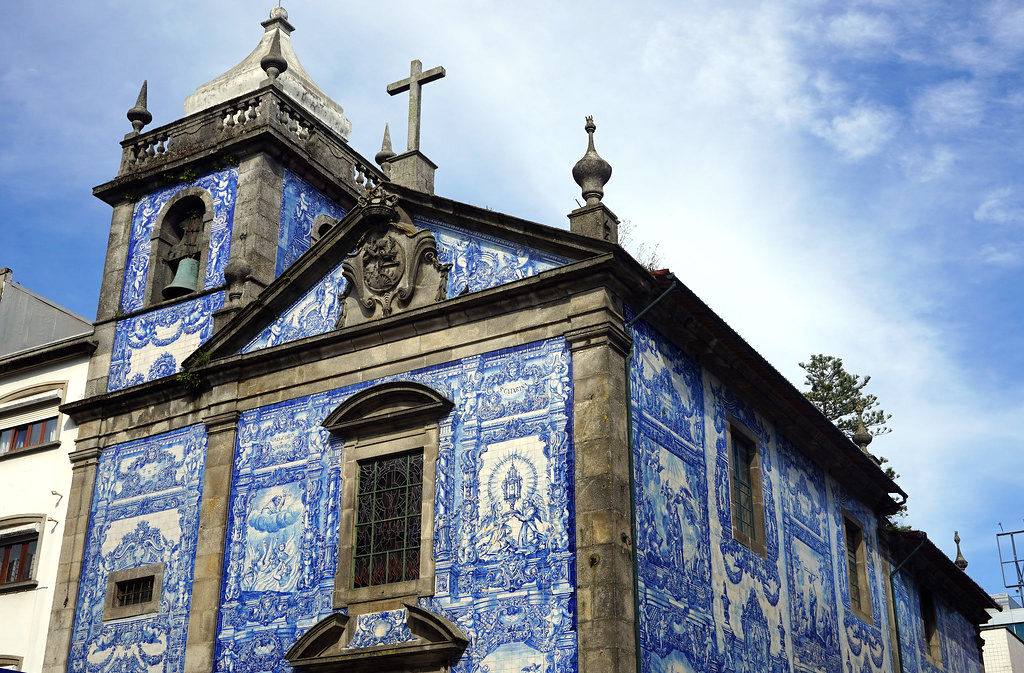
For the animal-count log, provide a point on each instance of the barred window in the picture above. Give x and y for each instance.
(387, 531)
(134, 591)
(743, 452)
(853, 541)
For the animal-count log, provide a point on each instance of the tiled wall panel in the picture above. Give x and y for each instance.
(504, 570)
(152, 345)
(301, 204)
(478, 262)
(145, 509)
(710, 603)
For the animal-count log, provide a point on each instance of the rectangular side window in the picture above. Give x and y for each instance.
(745, 490)
(932, 646)
(857, 568)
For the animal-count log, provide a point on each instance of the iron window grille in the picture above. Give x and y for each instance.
(743, 453)
(387, 531)
(134, 591)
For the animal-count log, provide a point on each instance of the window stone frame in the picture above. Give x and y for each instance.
(112, 611)
(758, 544)
(12, 662)
(385, 420)
(864, 612)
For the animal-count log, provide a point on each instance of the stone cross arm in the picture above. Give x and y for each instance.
(413, 84)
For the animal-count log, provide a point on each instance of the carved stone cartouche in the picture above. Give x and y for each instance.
(394, 268)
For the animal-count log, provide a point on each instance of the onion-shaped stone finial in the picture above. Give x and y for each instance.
(960, 561)
(386, 151)
(592, 172)
(862, 437)
(139, 116)
(273, 63)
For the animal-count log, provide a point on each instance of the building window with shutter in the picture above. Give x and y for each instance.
(929, 624)
(745, 489)
(856, 568)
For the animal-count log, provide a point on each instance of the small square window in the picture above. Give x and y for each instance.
(134, 591)
(745, 490)
(16, 559)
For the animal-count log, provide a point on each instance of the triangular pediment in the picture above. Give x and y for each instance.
(409, 638)
(476, 248)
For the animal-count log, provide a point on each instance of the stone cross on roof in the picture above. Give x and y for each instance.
(413, 84)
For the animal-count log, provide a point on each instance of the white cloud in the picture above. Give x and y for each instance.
(950, 105)
(1003, 254)
(861, 132)
(928, 164)
(1001, 206)
(859, 31)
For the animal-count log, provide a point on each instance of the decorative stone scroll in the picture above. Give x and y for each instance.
(394, 267)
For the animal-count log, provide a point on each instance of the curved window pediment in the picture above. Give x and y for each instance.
(388, 405)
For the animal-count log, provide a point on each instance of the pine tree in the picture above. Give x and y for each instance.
(839, 395)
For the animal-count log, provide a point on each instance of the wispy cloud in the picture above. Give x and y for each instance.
(861, 132)
(950, 105)
(1001, 206)
(861, 32)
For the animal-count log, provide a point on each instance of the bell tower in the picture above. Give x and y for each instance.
(210, 208)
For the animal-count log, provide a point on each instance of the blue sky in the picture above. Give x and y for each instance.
(836, 177)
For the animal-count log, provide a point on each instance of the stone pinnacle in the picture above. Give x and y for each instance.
(592, 172)
(139, 116)
(386, 151)
(273, 63)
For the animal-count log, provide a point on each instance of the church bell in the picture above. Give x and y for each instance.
(186, 279)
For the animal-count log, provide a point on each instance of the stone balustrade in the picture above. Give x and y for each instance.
(267, 111)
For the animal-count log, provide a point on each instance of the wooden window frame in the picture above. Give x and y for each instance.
(32, 429)
(17, 530)
(862, 607)
(758, 542)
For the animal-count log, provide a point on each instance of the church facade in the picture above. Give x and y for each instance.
(335, 421)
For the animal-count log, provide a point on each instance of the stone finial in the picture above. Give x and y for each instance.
(235, 275)
(862, 437)
(386, 151)
(278, 19)
(273, 63)
(592, 172)
(139, 116)
(960, 561)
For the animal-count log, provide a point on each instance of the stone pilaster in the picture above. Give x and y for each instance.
(110, 296)
(604, 552)
(258, 216)
(69, 571)
(221, 429)
(256, 227)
